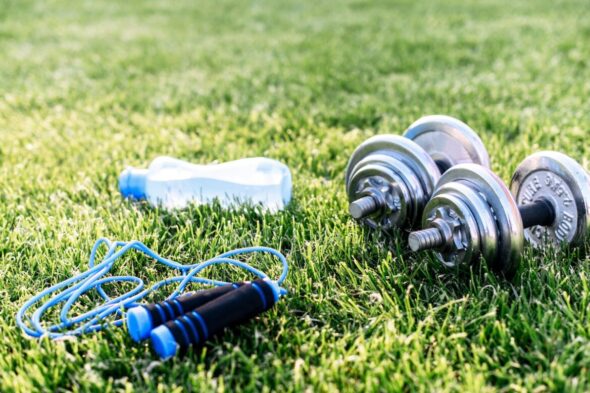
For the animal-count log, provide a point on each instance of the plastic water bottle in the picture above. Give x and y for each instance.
(173, 183)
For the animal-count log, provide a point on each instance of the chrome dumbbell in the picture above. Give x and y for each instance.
(472, 213)
(390, 178)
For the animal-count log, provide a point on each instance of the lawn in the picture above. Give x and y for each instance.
(89, 87)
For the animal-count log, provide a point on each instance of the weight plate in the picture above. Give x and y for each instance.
(448, 141)
(566, 185)
(486, 225)
(383, 176)
(503, 207)
(402, 148)
(465, 241)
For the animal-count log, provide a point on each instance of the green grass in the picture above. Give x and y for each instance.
(87, 88)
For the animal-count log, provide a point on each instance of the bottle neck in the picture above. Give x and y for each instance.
(132, 182)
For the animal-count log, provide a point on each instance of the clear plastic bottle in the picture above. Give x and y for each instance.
(173, 183)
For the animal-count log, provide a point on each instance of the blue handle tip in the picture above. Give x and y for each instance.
(163, 342)
(139, 323)
(276, 290)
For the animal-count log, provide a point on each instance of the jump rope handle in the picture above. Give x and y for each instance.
(141, 320)
(230, 309)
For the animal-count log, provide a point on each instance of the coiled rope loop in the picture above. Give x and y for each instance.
(69, 291)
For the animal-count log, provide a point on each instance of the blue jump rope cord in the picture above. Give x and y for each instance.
(69, 291)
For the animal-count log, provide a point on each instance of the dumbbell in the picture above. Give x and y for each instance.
(390, 178)
(472, 213)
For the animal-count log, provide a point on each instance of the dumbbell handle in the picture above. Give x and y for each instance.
(540, 212)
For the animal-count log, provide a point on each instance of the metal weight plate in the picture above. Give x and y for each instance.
(503, 207)
(448, 141)
(406, 150)
(465, 239)
(484, 218)
(386, 174)
(566, 185)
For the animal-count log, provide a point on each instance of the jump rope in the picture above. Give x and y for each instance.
(181, 321)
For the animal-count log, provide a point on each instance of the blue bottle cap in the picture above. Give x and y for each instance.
(163, 342)
(139, 323)
(132, 182)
